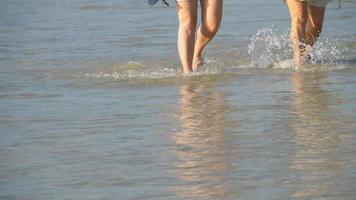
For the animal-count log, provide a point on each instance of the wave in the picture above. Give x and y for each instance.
(156, 73)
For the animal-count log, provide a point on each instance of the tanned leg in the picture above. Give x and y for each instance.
(187, 15)
(314, 24)
(298, 12)
(211, 14)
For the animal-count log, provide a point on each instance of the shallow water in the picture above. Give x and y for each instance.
(93, 105)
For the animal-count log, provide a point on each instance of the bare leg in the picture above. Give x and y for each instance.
(314, 24)
(298, 12)
(211, 14)
(187, 15)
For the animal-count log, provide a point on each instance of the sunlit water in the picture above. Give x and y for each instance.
(93, 105)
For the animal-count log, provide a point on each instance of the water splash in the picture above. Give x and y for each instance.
(326, 51)
(146, 72)
(267, 49)
(135, 74)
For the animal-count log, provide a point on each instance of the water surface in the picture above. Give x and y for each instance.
(93, 105)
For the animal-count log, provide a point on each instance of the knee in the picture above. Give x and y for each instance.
(210, 30)
(298, 27)
(188, 25)
(299, 21)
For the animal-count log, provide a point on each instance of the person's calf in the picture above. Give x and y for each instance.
(312, 34)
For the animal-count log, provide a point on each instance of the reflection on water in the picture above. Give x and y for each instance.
(202, 163)
(318, 142)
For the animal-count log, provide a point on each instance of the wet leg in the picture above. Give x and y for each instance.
(314, 25)
(187, 15)
(298, 12)
(211, 15)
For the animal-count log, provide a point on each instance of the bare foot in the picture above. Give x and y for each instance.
(187, 72)
(300, 54)
(198, 63)
(301, 60)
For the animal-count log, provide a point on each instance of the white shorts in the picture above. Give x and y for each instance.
(318, 3)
